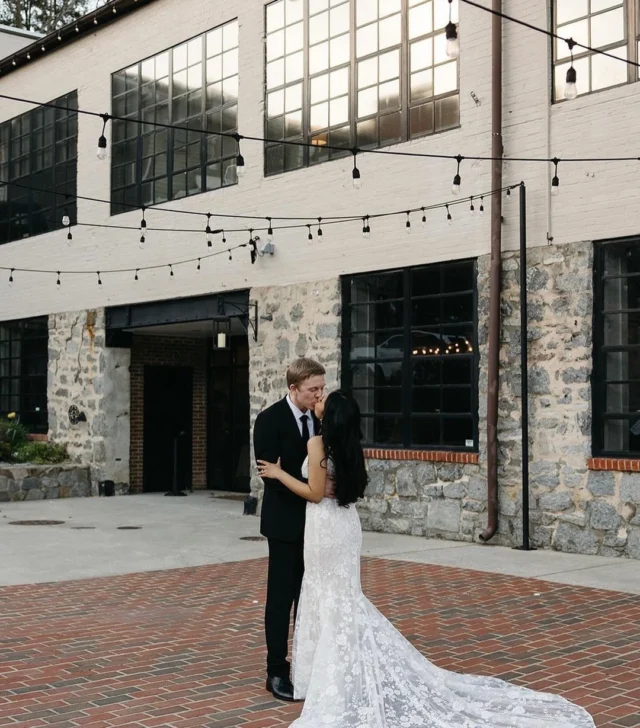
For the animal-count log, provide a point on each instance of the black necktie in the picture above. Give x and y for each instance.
(305, 428)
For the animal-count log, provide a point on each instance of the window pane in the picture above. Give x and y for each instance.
(425, 431)
(607, 72)
(571, 10)
(578, 31)
(607, 28)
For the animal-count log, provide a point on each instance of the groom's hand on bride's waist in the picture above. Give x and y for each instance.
(330, 489)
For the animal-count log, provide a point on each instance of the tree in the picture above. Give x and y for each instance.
(44, 16)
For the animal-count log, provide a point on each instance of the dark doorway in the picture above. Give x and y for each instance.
(228, 430)
(168, 413)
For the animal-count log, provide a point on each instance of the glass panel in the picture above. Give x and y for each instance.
(456, 431)
(622, 329)
(578, 31)
(367, 40)
(607, 72)
(420, 20)
(391, 31)
(571, 10)
(623, 397)
(582, 81)
(607, 28)
(622, 435)
(368, 102)
(425, 431)
(445, 78)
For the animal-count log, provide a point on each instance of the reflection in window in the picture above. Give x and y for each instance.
(409, 355)
(616, 382)
(38, 150)
(23, 371)
(600, 24)
(355, 72)
(194, 84)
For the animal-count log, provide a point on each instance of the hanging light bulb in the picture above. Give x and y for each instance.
(58, 280)
(355, 174)
(99, 279)
(407, 225)
(451, 34)
(424, 218)
(555, 182)
(455, 187)
(198, 268)
(366, 230)
(269, 231)
(309, 234)
(69, 236)
(449, 218)
(230, 256)
(66, 220)
(481, 210)
(208, 231)
(102, 141)
(171, 271)
(224, 238)
(142, 242)
(570, 87)
(240, 167)
(135, 278)
(319, 228)
(472, 208)
(11, 277)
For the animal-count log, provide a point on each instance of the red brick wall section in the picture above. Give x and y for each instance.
(169, 351)
(620, 464)
(437, 456)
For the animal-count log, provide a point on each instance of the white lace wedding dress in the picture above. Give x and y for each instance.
(355, 670)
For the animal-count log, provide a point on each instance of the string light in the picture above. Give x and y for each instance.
(449, 218)
(455, 187)
(198, 268)
(319, 228)
(11, 276)
(570, 87)
(451, 34)
(240, 167)
(269, 231)
(254, 248)
(142, 241)
(508, 192)
(102, 141)
(472, 209)
(208, 231)
(355, 174)
(407, 225)
(58, 281)
(224, 238)
(309, 234)
(99, 279)
(136, 275)
(424, 218)
(171, 270)
(230, 256)
(366, 230)
(555, 182)
(481, 211)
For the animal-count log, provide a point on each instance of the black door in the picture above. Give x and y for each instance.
(228, 432)
(168, 414)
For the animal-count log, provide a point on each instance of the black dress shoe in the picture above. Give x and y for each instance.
(281, 688)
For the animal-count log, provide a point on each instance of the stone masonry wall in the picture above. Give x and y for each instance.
(304, 321)
(84, 373)
(40, 482)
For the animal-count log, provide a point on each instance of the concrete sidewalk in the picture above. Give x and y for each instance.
(167, 533)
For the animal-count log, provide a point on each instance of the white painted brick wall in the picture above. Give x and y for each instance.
(597, 199)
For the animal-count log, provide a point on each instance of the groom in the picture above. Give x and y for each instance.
(281, 433)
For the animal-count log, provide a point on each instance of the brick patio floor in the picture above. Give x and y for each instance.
(185, 647)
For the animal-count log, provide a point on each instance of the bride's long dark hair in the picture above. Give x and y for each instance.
(342, 438)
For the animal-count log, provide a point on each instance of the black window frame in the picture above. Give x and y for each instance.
(212, 149)
(599, 381)
(20, 342)
(407, 385)
(39, 149)
(301, 157)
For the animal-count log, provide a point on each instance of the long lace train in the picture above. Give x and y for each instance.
(355, 670)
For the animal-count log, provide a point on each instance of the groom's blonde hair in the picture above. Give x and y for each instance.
(302, 369)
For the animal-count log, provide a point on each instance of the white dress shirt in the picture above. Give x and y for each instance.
(298, 413)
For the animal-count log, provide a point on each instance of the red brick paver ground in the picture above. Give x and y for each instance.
(184, 648)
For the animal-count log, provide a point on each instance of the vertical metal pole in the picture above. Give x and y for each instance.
(524, 384)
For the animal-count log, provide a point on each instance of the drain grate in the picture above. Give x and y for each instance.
(129, 528)
(36, 523)
(83, 528)
(252, 538)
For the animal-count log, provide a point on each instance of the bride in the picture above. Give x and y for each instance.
(350, 664)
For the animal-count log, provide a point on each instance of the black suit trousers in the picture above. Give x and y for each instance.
(286, 568)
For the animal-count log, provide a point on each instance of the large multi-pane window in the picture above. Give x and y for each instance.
(610, 25)
(38, 152)
(409, 355)
(616, 375)
(348, 73)
(23, 371)
(194, 84)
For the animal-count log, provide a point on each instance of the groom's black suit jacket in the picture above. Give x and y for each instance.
(276, 435)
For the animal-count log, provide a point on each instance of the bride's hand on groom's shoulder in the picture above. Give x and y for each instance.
(269, 470)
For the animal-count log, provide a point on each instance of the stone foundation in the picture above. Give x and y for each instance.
(40, 482)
